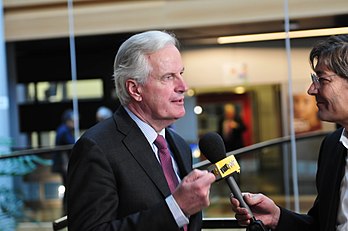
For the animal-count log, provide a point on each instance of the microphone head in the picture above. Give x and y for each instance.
(212, 146)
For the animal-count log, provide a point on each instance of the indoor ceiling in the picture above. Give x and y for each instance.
(209, 34)
(194, 36)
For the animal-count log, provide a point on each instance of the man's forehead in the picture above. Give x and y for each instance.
(321, 66)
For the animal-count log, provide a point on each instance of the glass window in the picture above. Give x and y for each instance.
(59, 91)
(31, 191)
(52, 190)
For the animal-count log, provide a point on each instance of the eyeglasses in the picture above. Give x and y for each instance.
(318, 81)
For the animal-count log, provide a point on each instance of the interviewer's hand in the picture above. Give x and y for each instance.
(192, 194)
(262, 207)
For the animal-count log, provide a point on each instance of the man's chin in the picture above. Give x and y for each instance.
(180, 116)
(324, 117)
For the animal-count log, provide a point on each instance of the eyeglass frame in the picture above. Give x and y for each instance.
(316, 79)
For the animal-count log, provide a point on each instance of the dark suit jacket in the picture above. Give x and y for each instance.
(116, 183)
(323, 215)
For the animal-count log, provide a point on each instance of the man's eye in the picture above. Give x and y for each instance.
(168, 77)
(323, 80)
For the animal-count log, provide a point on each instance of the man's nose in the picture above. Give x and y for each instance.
(312, 90)
(181, 85)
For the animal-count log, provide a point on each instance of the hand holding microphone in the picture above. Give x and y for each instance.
(213, 148)
(192, 194)
(262, 206)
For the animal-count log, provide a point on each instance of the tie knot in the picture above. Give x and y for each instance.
(160, 142)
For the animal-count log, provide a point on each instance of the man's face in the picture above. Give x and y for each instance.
(162, 96)
(331, 96)
(304, 106)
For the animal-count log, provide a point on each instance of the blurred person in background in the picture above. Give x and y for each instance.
(232, 128)
(103, 113)
(64, 136)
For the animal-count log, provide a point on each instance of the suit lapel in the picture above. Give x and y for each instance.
(182, 158)
(141, 150)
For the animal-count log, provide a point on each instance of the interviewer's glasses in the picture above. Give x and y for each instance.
(318, 81)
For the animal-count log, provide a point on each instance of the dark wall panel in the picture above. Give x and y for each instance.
(47, 117)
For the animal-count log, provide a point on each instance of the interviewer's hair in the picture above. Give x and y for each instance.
(131, 59)
(333, 53)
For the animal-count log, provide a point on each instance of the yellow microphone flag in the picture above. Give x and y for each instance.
(225, 167)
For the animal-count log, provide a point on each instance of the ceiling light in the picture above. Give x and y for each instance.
(198, 110)
(239, 90)
(282, 35)
(190, 92)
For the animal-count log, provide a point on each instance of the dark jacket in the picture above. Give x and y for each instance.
(116, 183)
(331, 168)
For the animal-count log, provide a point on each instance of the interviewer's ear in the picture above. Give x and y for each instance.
(134, 89)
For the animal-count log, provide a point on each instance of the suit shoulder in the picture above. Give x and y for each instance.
(101, 130)
(175, 135)
(334, 136)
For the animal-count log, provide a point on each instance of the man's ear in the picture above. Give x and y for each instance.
(134, 89)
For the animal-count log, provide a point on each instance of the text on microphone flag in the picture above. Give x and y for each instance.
(225, 167)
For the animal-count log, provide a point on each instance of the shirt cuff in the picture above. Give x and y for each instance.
(178, 215)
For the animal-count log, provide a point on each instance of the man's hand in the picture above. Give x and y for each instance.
(262, 207)
(192, 194)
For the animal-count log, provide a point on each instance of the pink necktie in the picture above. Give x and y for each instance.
(166, 162)
(167, 166)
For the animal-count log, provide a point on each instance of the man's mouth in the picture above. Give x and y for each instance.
(181, 101)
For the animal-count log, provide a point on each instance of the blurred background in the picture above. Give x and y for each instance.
(246, 63)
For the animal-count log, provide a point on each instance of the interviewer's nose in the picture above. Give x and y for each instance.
(312, 90)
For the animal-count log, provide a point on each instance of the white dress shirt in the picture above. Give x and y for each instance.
(342, 216)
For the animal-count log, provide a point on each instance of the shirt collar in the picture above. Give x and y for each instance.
(146, 129)
(344, 138)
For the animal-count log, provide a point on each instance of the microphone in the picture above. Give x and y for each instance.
(213, 148)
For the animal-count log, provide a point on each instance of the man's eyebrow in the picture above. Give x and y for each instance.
(318, 72)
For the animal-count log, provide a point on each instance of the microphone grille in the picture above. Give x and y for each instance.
(212, 146)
